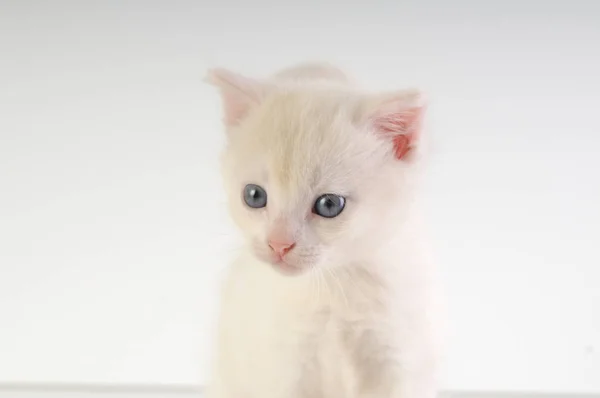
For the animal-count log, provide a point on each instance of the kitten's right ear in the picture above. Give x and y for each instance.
(397, 116)
(238, 93)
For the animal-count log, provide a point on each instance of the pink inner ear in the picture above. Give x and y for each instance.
(403, 126)
(402, 145)
(234, 108)
(238, 94)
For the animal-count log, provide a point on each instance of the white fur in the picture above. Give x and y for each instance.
(360, 318)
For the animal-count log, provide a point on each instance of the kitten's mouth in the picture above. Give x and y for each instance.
(284, 267)
(280, 264)
(290, 265)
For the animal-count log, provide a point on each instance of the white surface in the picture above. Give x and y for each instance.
(30, 391)
(112, 227)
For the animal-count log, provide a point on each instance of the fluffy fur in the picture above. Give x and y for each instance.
(353, 311)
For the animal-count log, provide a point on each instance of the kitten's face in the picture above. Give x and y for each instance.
(308, 183)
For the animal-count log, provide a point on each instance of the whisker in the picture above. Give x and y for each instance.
(336, 279)
(328, 289)
(313, 284)
(356, 287)
(318, 287)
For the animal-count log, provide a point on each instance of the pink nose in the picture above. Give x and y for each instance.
(281, 248)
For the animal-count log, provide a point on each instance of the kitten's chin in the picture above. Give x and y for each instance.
(280, 265)
(286, 269)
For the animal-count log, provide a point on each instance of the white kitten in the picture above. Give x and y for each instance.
(334, 296)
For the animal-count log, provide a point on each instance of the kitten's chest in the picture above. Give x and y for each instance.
(294, 344)
(301, 356)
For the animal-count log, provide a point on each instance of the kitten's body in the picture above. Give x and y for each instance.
(360, 320)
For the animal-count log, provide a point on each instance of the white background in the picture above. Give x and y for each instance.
(113, 232)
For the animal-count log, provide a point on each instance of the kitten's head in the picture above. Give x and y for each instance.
(317, 175)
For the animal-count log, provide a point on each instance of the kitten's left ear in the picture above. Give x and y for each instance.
(397, 116)
(239, 94)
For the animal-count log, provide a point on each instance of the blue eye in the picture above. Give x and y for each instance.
(329, 205)
(255, 196)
